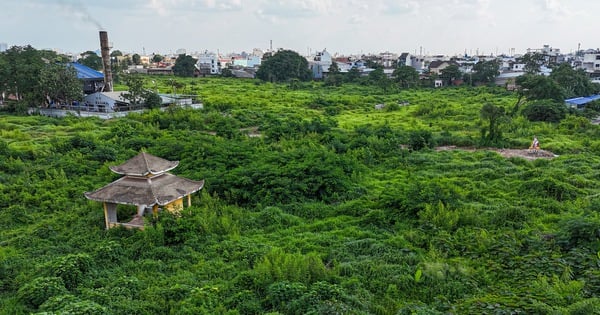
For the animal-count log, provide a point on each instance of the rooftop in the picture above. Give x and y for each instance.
(86, 73)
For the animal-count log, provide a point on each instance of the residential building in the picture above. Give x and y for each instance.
(418, 62)
(437, 66)
(387, 59)
(319, 64)
(404, 60)
(208, 63)
(324, 59)
(591, 63)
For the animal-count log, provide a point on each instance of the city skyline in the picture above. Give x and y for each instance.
(343, 27)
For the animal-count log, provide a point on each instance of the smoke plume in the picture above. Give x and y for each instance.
(76, 8)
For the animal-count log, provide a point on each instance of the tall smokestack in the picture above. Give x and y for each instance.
(105, 50)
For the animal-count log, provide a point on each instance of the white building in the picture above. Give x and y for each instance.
(387, 59)
(208, 63)
(323, 58)
(591, 62)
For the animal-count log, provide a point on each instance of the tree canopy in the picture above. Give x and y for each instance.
(59, 83)
(35, 77)
(545, 110)
(137, 59)
(485, 72)
(406, 76)
(539, 87)
(574, 82)
(185, 65)
(91, 59)
(283, 66)
(533, 62)
(451, 73)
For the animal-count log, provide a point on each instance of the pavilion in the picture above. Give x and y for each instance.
(147, 185)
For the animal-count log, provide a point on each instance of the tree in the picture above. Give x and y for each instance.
(493, 114)
(533, 62)
(379, 78)
(573, 82)
(22, 66)
(116, 53)
(137, 60)
(406, 76)
(353, 75)
(227, 73)
(184, 66)
(283, 66)
(91, 59)
(545, 110)
(136, 92)
(157, 58)
(450, 73)
(333, 68)
(59, 83)
(420, 139)
(485, 72)
(539, 87)
(152, 99)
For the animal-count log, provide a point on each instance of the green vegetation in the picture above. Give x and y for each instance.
(315, 203)
(284, 66)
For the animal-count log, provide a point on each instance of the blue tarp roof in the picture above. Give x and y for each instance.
(582, 100)
(86, 73)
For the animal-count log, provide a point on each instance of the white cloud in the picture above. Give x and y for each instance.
(277, 10)
(554, 10)
(401, 7)
(169, 7)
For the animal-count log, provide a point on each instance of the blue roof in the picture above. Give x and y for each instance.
(582, 100)
(86, 73)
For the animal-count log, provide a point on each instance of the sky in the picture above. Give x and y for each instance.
(448, 27)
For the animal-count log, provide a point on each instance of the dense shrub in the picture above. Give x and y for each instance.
(38, 290)
(546, 110)
(582, 231)
(420, 139)
(72, 268)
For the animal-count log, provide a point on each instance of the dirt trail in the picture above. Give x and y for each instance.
(522, 153)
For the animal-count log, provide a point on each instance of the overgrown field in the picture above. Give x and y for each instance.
(314, 203)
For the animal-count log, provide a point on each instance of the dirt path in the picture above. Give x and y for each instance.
(522, 153)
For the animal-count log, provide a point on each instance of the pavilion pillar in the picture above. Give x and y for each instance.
(155, 210)
(189, 200)
(106, 215)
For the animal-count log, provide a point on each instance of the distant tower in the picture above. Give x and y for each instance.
(271, 45)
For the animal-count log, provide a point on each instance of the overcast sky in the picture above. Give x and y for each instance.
(343, 26)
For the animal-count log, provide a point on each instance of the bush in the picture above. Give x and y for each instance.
(579, 231)
(585, 307)
(546, 110)
(37, 291)
(420, 139)
(71, 269)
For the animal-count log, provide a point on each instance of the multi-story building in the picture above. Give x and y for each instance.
(208, 63)
(591, 63)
